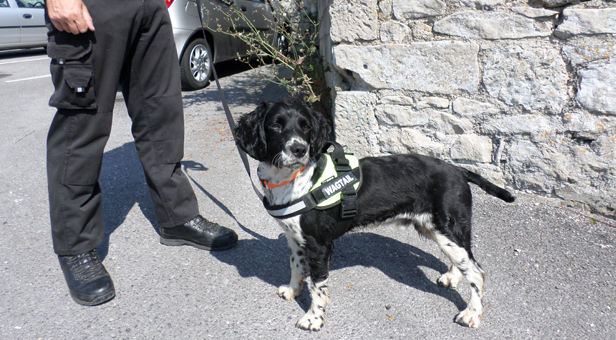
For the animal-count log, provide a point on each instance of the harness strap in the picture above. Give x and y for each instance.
(312, 199)
(338, 156)
(294, 208)
(348, 201)
(348, 208)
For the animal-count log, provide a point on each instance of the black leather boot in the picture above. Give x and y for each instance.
(87, 279)
(199, 233)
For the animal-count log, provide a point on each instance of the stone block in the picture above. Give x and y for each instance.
(397, 115)
(491, 26)
(581, 51)
(386, 10)
(472, 148)
(395, 32)
(353, 20)
(405, 140)
(433, 102)
(587, 21)
(523, 124)
(354, 122)
(450, 124)
(533, 77)
(434, 67)
(472, 108)
(416, 9)
(597, 91)
(397, 100)
(529, 166)
(589, 123)
(421, 31)
(531, 12)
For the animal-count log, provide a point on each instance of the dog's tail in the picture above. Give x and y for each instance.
(487, 186)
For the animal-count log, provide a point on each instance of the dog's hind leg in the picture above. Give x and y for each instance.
(319, 259)
(299, 267)
(465, 264)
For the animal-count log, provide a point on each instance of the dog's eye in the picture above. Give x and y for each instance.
(307, 128)
(275, 127)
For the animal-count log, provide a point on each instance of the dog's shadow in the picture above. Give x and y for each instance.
(264, 258)
(268, 259)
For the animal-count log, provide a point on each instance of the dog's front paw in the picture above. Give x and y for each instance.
(468, 317)
(449, 279)
(311, 321)
(288, 293)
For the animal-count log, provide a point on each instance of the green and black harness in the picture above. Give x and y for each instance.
(335, 190)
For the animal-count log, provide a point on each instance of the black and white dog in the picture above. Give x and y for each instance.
(426, 193)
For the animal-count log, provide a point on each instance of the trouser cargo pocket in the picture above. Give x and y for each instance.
(71, 71)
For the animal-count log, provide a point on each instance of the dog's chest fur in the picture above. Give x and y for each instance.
(291, 191)
(300, 186)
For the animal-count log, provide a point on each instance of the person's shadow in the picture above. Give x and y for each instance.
(123, 185)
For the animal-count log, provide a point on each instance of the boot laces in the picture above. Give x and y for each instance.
(86, 266)
(206, 225)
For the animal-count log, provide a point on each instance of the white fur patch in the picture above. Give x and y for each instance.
(297, 259)
(291, 191)
(315, 317)
(474, 275)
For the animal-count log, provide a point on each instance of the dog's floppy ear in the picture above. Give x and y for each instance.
(320, 132)
(250, 133)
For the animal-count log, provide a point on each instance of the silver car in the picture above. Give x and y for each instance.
(22, 24)
(197, 52)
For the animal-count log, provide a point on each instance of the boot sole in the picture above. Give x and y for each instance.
(96, 301)
(181, 242)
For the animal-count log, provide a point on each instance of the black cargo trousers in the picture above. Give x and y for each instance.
(132, 46)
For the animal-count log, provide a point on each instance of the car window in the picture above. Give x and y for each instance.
(30, 3)
(4, 3)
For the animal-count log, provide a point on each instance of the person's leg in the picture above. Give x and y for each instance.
(85, 71)
(152, 91)
(75, 145)
(85, 77)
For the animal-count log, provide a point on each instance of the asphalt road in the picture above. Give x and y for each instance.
(551, 270)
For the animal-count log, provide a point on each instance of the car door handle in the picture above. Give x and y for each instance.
(243, 8)
(27, 16)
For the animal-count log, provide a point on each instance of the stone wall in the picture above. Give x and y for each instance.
(523, 93)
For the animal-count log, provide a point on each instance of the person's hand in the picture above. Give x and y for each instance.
(70, 15)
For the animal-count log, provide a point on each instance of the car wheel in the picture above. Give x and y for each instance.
(196, 65)
(283, 44)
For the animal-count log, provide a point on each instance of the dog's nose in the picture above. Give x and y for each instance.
(298, 150)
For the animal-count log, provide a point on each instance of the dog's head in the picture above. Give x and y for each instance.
(285, 134)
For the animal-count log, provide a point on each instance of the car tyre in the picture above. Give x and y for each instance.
(282, 43)
(196, 65)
